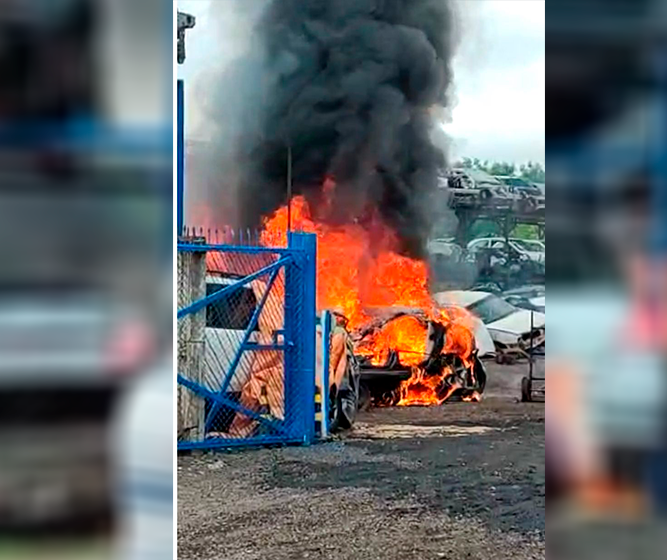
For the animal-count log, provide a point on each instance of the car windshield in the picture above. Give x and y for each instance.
(491, 309)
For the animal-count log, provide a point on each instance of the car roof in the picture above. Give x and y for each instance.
(482, 177)
(459, 297)
(490, 239)
(528, 289)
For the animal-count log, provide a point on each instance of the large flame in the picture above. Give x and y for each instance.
(359, 269)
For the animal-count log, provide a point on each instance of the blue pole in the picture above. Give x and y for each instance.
(180, 155)
(309, 328)
(300, 327)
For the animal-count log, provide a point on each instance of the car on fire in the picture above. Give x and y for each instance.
(428, 363)
(510, 328)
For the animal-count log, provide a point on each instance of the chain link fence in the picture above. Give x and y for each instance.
(246, 340)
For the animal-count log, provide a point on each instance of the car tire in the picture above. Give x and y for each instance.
(526, 390)
(344, 400)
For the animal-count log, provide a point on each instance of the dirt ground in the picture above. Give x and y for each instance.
(461, 481)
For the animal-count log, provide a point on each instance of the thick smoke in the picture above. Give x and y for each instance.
(353, 88)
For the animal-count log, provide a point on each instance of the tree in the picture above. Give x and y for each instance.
(533, 172)
(501, 168)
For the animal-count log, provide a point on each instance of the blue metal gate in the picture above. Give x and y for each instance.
(246, 342)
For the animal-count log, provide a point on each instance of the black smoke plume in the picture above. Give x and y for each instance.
(353, 88)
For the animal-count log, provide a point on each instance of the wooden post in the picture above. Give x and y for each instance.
(191, 287)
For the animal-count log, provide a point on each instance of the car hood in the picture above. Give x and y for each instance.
(539, 301)
(518, 322)
(536, 255)
(483, 340)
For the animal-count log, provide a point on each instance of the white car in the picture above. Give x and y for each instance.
(533, 249)
(509, 326)
(226, 322)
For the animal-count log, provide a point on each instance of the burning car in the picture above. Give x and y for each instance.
(410, 350)
(408, 358)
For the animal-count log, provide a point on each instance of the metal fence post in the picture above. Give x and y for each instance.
(326, 345)
(191, 287)
(300, 305)
(180, 155)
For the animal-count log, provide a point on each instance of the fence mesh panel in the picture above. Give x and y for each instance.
(244, 356)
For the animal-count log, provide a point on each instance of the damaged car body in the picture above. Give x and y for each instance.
(427, 373)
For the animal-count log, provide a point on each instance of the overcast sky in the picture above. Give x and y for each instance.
(498, 73)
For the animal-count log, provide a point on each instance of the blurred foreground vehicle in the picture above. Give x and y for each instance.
(143, 459)
(606, 154)
(85, 213)
(75, 324)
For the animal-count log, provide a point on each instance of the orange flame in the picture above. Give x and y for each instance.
(405, 335)
(359, 269)
(423, 390)
(473, 397)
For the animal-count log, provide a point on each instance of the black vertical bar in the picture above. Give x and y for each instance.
(532, 322)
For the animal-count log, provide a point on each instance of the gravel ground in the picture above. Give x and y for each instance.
(462, 481)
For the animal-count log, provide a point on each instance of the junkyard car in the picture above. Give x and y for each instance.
(533, 249)
(509, 326)
(434, 355)
(532, 298)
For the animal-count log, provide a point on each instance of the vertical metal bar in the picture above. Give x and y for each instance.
(300, 295)
(180, 155)
(326, 356)
(309, 322)
(292, 343)
(530, 352)
(289, 188)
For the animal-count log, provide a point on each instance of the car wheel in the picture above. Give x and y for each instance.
(480, 381)
(365, 400)
(526, 390)
(344, 400)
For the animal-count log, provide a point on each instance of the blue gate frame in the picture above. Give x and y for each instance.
(297, 344)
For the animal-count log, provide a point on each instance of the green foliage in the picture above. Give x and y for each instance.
(526, 231)
(484, 228)
(533, 172)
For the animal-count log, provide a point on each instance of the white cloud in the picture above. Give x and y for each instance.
(499, 69)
